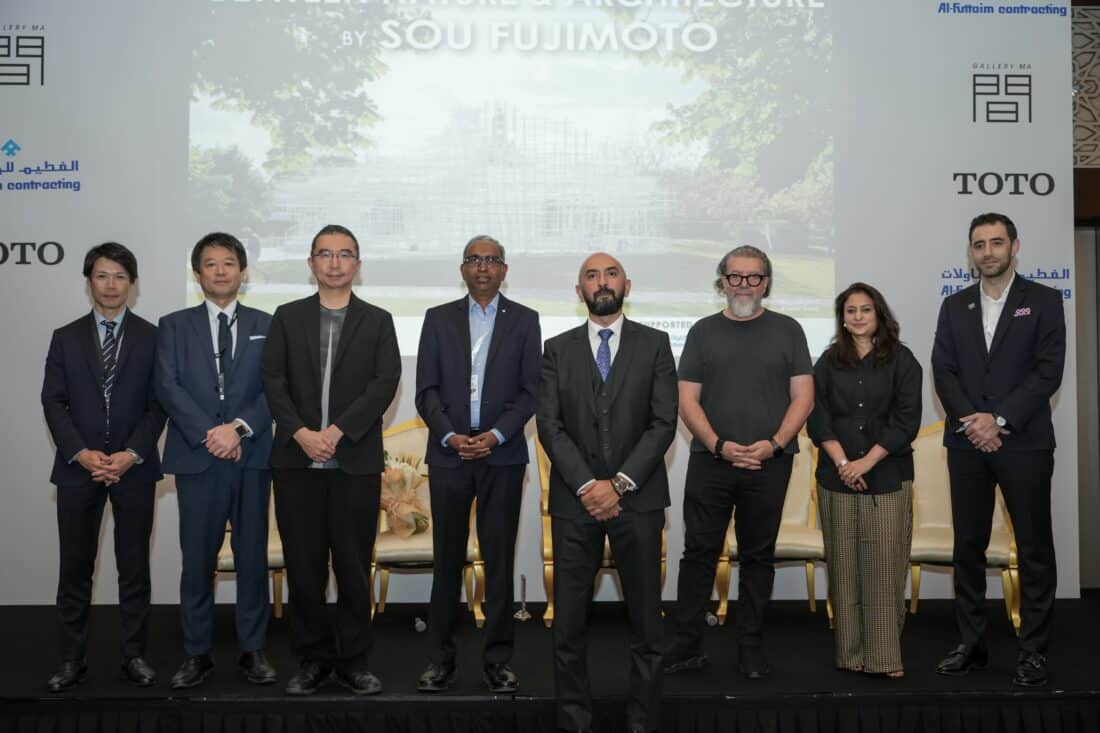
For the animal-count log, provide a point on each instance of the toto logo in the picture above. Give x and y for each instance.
(1014, 184)
(28, 253)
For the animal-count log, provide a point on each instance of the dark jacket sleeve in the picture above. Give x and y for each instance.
(903, 422)
(512, 420)
(1050, 359)
(566, 458)
(367, 409)
(55, 401)
(945, 368)
(274, 367)
(429, 378)
(651, 447)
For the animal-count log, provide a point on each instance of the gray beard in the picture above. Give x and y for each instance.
(743, 309)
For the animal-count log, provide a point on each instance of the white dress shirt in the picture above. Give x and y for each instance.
(991, 311)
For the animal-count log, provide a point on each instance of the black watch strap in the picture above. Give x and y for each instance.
(718, 449)
(242, 431)
(777, 449)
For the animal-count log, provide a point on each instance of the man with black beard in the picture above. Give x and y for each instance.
(997, 360)
(746, 389)
(606, 415)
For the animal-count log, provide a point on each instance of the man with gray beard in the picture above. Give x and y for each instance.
(746, 389)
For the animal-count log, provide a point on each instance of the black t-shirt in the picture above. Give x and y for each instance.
(745, 368)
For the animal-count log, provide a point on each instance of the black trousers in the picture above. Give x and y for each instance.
(499, 491)
(635, 539)
(713, 490)
(1024, 478)
(322, 512)
(79, 514)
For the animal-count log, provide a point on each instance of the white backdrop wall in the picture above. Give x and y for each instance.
(114, 92)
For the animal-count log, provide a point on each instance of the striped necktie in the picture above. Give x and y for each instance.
(109, 351)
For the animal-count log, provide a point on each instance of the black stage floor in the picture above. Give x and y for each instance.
(804, 692)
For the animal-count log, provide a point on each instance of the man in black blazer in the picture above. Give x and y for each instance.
(606, 416)
(218, 446)
(102, 413)
(330, 370)
(998, 357)
(477, 374)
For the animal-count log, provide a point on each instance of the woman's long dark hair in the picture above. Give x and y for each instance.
(842, 351)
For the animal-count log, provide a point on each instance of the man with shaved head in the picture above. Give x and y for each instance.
(606, 416)
(477, 373)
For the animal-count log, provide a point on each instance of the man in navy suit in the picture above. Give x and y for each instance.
(998, 357)
(102, 413)
(477, 376)
(218, 446)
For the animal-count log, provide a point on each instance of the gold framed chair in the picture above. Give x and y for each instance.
(799, 539)
(608, 562)
(933, 533)
(276, 563)
(404, 542)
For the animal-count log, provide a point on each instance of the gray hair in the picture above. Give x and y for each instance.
(483, 238)
(745, 250)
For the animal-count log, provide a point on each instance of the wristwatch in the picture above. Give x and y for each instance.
(777, 449)
(1001, 422)
(620, 484)
(718, 449)
(242, 431)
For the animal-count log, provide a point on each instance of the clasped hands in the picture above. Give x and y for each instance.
(601, 500)
(852, 472)
(750, 457)
(223, 442)
(983, 432)
(106, 469)
(319, 445)
(471, 448)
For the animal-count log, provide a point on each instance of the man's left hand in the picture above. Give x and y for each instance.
(222, 440)
(120, 463)
(601, 501)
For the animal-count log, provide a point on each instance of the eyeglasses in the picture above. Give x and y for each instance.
(487, 260)
(344, 255)
(736, 278)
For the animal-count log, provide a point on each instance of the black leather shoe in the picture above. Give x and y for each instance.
(962, 659)
(437, 677)
(683, 660)
(752, 662)
(71, 672)
(256, 668)
(308, 678)
(500, 678)
(137, 671)
(1031, 670)
(193, 672)
(357, 680)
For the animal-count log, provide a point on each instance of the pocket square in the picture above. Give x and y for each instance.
(1020, 312)
(257, 337)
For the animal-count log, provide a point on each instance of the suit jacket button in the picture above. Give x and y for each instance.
(605, 446)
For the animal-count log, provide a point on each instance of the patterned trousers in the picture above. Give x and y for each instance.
(867, 539)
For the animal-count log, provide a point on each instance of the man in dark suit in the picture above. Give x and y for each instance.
(102, 413)
(477, 374)
(218, 446)
(606, 416)
(998, 357)
(330, 369)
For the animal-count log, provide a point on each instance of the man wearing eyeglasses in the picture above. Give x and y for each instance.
(477, 376)
(330, 370)
(746, 389)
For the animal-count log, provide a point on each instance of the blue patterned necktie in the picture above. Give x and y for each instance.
(603, 353)
(110, 360)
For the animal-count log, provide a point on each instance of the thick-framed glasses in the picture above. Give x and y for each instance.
(344, 255)
(479, 260)
(736, 278)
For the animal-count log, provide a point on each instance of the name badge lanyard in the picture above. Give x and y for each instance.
(221, 352)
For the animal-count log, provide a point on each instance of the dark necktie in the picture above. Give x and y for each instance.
(109, 352)
(225, 344)
(603, 353)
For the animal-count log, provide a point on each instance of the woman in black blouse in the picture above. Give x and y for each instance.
(867, 413)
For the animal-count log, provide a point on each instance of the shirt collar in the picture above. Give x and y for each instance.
(212, 310)
(475, 307)
(100, 318)
(1004, 293)
(595, 328)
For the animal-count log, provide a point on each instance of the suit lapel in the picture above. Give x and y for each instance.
(312, 326)
(1013, 299)
(623, 356)
(89, 342)
(126, 345)
(461, 315)
(973, 318)
(244, 329)
(356, 311)
(502, 326)
(581, 353)
(200, 324)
